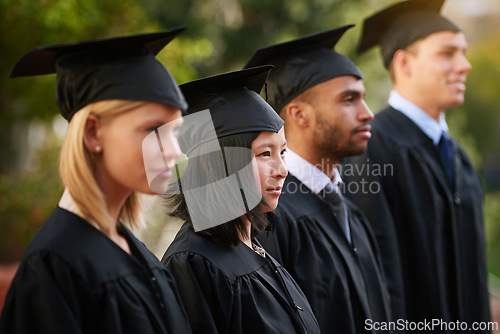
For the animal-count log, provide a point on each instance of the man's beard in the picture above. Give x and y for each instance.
(333, 143)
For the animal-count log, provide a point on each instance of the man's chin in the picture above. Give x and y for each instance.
(355, 151)
(454, 103)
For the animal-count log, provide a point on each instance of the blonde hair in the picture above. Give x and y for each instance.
(77, 168)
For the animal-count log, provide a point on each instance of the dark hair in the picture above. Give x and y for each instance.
(214, 166)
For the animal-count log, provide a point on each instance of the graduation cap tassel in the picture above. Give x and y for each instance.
(265, 89)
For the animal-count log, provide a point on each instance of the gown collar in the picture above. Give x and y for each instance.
(309, 174)
(426, 123)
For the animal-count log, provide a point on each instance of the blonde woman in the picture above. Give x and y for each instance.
(85, 272)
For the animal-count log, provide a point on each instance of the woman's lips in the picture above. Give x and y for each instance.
(276, 191)
(162, 173)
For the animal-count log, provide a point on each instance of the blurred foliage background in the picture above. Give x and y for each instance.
(222, 35)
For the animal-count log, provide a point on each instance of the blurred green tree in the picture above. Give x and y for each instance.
(27, 200)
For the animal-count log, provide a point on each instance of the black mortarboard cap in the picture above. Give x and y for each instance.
(303, 63)
(234, 101)
(122, 67)
(402, 24)
(218, 184)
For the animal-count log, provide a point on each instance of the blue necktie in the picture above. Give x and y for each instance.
(332, 195)
(446, 153)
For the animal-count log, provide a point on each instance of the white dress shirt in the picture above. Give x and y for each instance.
(426, 123)
(314, 178)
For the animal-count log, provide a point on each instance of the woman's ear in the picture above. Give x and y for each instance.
(92, 136)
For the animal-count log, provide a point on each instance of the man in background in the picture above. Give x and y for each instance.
(427, 213)
(322, 239)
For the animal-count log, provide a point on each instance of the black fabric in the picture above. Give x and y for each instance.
(333, 196)
(430, 233)
(234, 101)
(344, 283)
(301, 64)
(235, 290)
(73, 279)
(400, 25)
(114, 68)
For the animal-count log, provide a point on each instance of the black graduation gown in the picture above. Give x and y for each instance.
(430, 234)
(344, 284)
(74, 279)
(235, 290)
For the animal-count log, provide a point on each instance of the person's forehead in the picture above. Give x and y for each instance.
(443, 38)
(341, 84)
(269, 138)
